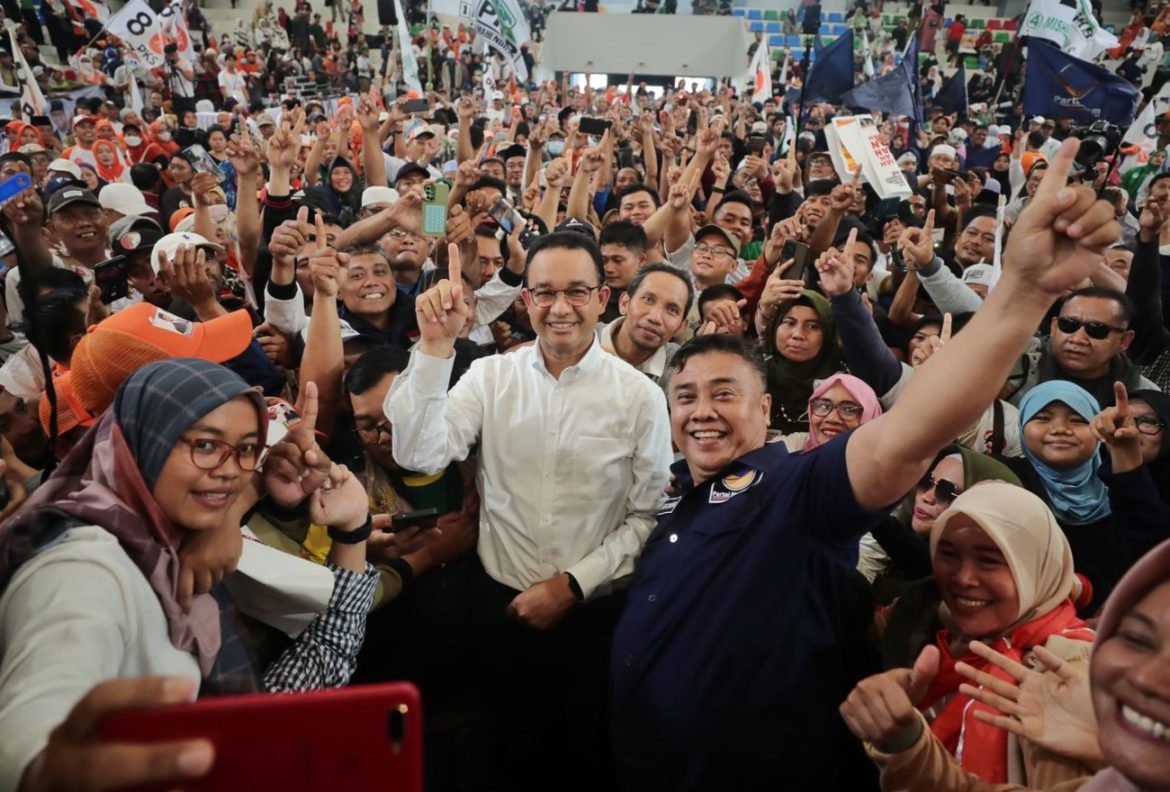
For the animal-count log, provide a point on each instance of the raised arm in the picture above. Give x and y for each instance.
(1058, 240)
(373, 166)
(245, 158)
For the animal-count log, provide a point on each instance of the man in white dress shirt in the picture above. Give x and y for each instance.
(574, 447)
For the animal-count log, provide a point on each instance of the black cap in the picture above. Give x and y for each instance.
(578, 226)
(514, 150)
(409, 169)
(131, 234)
(68, 196)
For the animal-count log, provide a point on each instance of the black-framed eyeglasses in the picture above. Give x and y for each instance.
(1097, 330)
(574, 295)
(1149, 424)
(208, 454)
(945, 491)
(372, 435)
(846, 409)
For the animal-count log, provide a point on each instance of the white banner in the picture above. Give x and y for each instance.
(142, 31)
(854, 145)
(1143, 133)
(32, 101)
(501, 24)
(174, 25)
(1070, 25)
(406, 53)
(761, 75)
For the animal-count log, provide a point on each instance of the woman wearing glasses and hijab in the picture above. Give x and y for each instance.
(1002, 573)
(1109, 516)
(89, 569)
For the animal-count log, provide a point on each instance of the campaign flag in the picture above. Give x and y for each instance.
(175, 27)
(142, 31)
(406, 51)
(832, 74)
(867, 64)
(1070, 25)
(952, 97)
(501, 24)
(910, 69)
(1142, 135)
(890, 93)
(761, 75)
(134, 99)
(1057, 84)
(32, 101)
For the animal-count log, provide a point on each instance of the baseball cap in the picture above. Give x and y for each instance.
(908, 158)
(131, 233)
(979, 275)
(408, 169)
(170, 243)
(1039, 120)
(416, 129)
(32, 148)
(81, 119)
(71, 195)
(124, 198)
(497, 96)
(514, 150)
(66, 166)
(708, 230)
(759, 128)
(379, 195)
(264, 120)
(141, 334)
(70, 412)
(578, 226)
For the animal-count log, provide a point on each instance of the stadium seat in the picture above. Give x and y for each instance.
(793, 41)
(978, 24)
(775, 41)
(756, 27)
(755, 13)
(1010, 24)
(994, 24)
(772, 27)
(739, 12)
(1003, 37)
(835, 16)
(771, 14)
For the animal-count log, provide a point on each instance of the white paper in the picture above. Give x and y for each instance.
(279, 589)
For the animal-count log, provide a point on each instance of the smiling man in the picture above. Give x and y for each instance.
(574, 449)
(654, 308)
(727, 664)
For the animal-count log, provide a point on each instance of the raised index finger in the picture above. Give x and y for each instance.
(1122, 400)
(308, 408)
(945, 334)
(1056, 175)
(322, 242)
(455, 271)
(929, 227)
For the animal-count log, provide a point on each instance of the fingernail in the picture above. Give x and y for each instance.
(194, 760)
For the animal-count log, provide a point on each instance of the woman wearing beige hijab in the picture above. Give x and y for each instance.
(1003, 573)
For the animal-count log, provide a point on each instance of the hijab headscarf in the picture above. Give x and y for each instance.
(14, 129)
(791, 384)
(1041, 564)
(169, 147)
(1078, 495)
(1160, 468)
(1152, 570)
(863, 394)
(343, 205)
(109, 173)
(107, 479)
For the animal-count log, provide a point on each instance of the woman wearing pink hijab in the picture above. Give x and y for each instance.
(839, 404)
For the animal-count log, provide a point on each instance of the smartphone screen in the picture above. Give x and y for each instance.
(110, 277)
(504, 214)
(201, 161)
(593, 126)
(416, 106)
(6, 245)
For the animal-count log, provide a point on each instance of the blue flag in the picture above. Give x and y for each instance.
(890, 93)
(1057, 84)
(952, 97)
(910, 69)
(832, 74)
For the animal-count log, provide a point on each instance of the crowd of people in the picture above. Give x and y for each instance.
(712, 470)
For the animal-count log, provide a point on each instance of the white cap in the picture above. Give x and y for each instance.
(759, 128)
(945, 150)
(170, 243)
(125, 199)
(958, 136)
(497, 96)
(979, 275)
(1038, 120)
(66, 166)
(379, 195)
(908, 158)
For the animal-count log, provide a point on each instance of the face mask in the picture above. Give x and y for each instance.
(133, 142)
(556, 147)
(218, 212)
(164, 136)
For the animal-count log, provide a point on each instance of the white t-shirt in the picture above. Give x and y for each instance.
(234, 85)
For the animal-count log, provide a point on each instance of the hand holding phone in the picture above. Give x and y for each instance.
(111, 277)
(798, 253)
(434, 211)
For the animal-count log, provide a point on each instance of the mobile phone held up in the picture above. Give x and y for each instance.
(798, 253)
(111, 277)
(277, 742)
(508, 218)
(416, 106)
(201, 161)
(434, 215)
(595, 127)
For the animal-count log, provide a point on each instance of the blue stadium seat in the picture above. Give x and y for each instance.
(775, 41)
(772, 27)
(756, 27)
(793, 41)
(755, 13)
(739, 12)
(835, 16)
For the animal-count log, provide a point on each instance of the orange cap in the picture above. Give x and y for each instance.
(179, 215)
(1030, 158)
(116, 347)
(70, 413)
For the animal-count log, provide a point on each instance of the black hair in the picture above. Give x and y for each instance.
(724, 343)
(735, 196)
(54, 278)
(638, 187)
(374, 364)
(58, 319)
(1160, 177)
(366, 249)
(624, 233)
(566, 240)
(658, 266)
(1036, 139)
(719, 291)
(216, 128)
(145, 176)
(489, 232)
(477, 136)
(489, 181)
(975, 212)
(819, 187)
(1125, 308)
(863, 238)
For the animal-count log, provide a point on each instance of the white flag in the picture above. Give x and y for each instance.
(134, 100)
(406, 51)
(997, 261)
(1070, 25)
(1143, 133)
(867, 67)
(761, 75)
(174, 25)
(142, 31)
(501, 24)
(32, 101)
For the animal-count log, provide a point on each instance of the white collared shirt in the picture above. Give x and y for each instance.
(571, 470)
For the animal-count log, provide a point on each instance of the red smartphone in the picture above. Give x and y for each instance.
(366, 737)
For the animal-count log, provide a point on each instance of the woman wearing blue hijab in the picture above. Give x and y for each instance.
(1063, 465)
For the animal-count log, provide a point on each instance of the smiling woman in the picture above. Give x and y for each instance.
(804, 349)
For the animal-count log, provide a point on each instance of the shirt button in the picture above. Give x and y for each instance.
(652, 598)
(673, 538)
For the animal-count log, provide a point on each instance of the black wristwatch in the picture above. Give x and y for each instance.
(353, 537)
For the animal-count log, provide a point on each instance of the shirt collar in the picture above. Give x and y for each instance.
(655, 365)
(752, 460)
(585, 365)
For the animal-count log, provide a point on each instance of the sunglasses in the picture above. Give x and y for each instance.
(1097, 330)
(945, 491)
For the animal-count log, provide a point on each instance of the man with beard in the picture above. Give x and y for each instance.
(654, 308)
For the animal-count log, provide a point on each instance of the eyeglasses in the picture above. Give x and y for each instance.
(372, 435)
(945, 491)
(401, 233)
(1097, 330)
(713, 251)
(1148, 424)
(846, 409)
(207, 454)
(574, 295)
